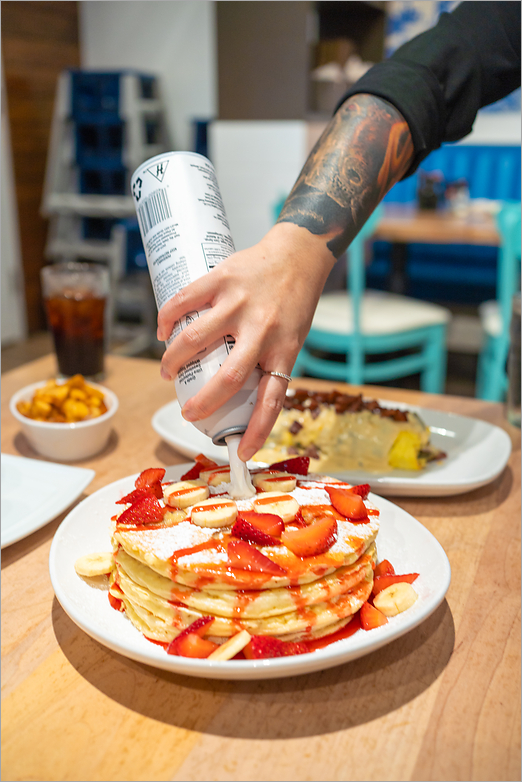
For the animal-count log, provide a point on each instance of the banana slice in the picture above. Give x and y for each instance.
(214, 512)
(98, 564)
(216, 476)
(395, 599)
(231, 647)
(272, 480)
(185, 493)
(282, 505)
(173, 517)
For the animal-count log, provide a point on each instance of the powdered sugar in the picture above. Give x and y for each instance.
(165, 542)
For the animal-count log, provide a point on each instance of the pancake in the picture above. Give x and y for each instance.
(293, 562)
(167, 618)
(247, 604)
(196, 556)
(167, 577)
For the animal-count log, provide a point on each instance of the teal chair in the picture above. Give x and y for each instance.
(356, 323)
(495, 316)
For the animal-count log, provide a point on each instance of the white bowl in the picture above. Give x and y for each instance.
(66, 442)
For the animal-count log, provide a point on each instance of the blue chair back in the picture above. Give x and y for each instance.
(491, 371)
(356, 272)
(508, 271)
(356, 284)
(491, 171)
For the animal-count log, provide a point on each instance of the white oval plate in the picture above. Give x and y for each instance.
(402, 540)
(53, 487)
(477, 452)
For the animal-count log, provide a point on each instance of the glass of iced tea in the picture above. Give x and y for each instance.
(76, 297)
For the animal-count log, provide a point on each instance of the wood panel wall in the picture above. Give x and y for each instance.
(39, 40)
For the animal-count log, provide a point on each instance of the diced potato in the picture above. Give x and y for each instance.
(59, 394)
(41, 408)
(76, 381)
(94, 393)
(75, 410)
(67, 402)
(78, 393)
(24, 408)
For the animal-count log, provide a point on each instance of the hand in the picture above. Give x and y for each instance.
(265, 297)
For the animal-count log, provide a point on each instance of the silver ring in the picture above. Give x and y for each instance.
(278, 374)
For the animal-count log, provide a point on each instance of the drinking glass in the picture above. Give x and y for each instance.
(75, 296)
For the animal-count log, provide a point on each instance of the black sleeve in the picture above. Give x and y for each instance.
(441, 78)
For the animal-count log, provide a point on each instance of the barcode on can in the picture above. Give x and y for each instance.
(155, 209)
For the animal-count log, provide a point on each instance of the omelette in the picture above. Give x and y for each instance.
(340, 432)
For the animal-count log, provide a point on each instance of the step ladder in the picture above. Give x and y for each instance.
(105, 124)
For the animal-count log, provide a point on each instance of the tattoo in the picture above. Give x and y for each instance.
(365, 149)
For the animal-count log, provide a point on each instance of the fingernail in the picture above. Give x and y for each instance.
(164, 374)
(188, 415)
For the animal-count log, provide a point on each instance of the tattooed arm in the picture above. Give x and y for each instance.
(266, 296)
(365, 149)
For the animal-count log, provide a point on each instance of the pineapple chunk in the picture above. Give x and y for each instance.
(404, 453)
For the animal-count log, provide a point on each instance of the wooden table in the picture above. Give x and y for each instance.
(404, 224)
(441, 703)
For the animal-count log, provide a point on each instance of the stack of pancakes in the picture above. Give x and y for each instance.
(167, 577)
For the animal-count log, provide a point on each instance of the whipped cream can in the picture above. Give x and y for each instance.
(185, 233)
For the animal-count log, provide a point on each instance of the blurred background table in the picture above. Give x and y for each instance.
(405, 224)
(441, 703)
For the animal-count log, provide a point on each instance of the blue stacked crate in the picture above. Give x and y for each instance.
(135, 258)
(99, 132)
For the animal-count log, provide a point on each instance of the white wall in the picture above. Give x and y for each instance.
(14, 325)
(257, 163)
(174, 39)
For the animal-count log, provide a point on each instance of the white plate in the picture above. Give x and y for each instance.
(476, 453)
(402, 540)
(35, 492)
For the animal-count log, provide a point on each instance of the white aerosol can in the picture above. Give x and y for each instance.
(185, 233)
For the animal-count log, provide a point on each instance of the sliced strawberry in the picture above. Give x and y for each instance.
(350, 505)
(196, 629)
(269, 523)
(298, 520)
(151, 478)
(245, 557)
(262, 646)
(299, 465)
(363, 489)
(371, 617)
(191, 645)
(201, 463)
(381, 582)
(246, 531)
(205, 462)
(135, 495)
(312, 540)
(192, 473)
(384, 568)
(146, 510)
(199, 626)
